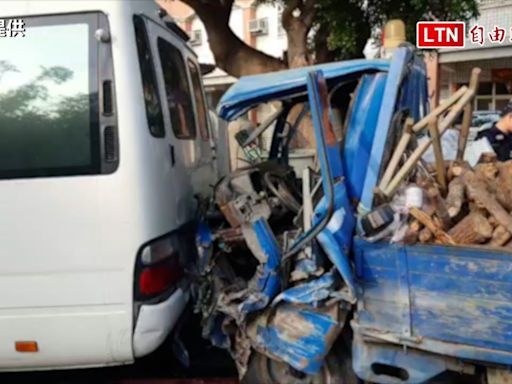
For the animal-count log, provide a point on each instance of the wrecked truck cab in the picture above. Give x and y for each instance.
(276, 247)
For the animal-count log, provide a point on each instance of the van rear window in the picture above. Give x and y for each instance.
(49, 98)
(177, 89)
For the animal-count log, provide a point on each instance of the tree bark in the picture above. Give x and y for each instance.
(298, 17)
(231, 54)
(477, 191)
(322, 52)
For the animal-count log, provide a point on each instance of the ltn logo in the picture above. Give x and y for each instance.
(440, 34)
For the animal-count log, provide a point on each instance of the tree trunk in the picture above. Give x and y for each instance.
(231, 54)
(297, 33)
(298, 17)
(235, 57)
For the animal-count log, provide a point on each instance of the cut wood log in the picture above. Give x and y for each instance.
(488, 157)
(500, 236)
(457, 168)
(475, 207)
(425, 236)
(436, 230)
(472, 229)
(440, 208)
(413, 230)
(477, 191)
(503, 184)
(492, 220)
(415, 226)
(488, 172)
(410, 238)
(455, 197)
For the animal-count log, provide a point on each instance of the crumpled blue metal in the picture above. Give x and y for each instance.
(204, 243)
(336, 238)
(301, 336)
(252, 90)
(310, 292)
(269, 282)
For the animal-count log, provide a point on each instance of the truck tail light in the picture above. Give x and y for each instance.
(158, 268)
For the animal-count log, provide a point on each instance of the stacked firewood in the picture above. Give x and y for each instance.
(474, 209)
(462, 204)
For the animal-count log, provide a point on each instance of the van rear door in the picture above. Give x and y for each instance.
(62, 247)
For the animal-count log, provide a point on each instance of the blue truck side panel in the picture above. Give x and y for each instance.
(450, 300)
(411, 366)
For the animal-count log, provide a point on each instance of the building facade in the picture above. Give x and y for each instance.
(488, 45)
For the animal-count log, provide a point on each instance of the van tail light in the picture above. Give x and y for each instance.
(158, 268)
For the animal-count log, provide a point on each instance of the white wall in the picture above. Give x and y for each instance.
(236, 21)
(203, 51)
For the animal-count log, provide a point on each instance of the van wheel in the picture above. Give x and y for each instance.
(337, 369)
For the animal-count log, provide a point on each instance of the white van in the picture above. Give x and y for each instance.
(103, 129)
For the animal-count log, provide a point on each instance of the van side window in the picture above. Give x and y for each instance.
(199, 99)
(149, 84)
(177, 89)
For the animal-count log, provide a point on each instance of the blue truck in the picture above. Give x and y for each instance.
(288, 282)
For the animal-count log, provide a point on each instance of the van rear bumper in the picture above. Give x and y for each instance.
(67, 337)
(154, 322)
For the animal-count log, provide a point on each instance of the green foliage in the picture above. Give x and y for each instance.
(348, 25)
(351, 22)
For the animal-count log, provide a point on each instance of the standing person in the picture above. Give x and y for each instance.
(500, 134)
